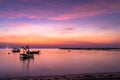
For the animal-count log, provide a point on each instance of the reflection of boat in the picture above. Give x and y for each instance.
(26, 63)
(26, 56)
(16, 50)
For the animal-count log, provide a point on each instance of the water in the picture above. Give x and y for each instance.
(58, 62)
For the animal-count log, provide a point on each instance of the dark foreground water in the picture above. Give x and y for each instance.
(58, 62)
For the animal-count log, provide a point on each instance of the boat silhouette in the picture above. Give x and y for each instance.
(27, 53)
(16, 50)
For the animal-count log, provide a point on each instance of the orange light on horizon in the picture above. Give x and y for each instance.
(34, 40)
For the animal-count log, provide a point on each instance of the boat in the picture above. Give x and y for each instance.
(26, 56)
(32, 52)
(16, 50)
(28, 51)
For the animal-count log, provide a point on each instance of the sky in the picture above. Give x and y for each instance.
(60, 23)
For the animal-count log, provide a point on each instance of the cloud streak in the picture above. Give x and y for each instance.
(93, 9)
(55, 11)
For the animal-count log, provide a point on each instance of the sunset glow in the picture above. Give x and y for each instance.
(60, 23)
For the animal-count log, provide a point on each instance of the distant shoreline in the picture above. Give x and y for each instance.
(70, 48)
(87, 76)
(90, 48)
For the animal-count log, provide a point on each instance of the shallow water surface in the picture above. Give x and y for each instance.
(58, 62)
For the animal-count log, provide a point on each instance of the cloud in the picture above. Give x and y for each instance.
(110, 27)
(30, 13)
(96, 8)
(56, 10)
(68, 29)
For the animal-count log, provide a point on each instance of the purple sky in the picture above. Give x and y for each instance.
(60, 23)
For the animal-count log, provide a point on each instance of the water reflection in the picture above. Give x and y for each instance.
(57, 62)
(26, 63)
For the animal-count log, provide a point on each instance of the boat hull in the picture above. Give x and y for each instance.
(16, 50)
(33, 52)
(26, 56)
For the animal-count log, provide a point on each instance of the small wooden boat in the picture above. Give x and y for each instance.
(33, 52)
(28, 51)
(16, 50)
(26, 56)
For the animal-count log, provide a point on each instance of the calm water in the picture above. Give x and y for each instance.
(57, 62)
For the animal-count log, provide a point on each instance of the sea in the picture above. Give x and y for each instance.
(58, 62)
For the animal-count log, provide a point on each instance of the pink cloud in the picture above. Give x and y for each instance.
(88, 10)
(57, 12)
(31, 13)
(73, 15)
(68, 29)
